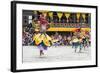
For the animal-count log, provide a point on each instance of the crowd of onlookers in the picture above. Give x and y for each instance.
(28, 35)
(62, 39)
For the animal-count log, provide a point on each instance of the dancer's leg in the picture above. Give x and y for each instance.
(75, 44)
(41, 52)
(80, 47)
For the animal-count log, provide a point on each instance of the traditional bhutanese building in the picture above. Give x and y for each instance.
(60, 21)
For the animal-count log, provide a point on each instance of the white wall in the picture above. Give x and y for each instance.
(5, 36)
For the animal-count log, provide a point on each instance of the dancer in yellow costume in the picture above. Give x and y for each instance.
(41, 39)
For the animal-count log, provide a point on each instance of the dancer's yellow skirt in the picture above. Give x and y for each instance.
(42, 38)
